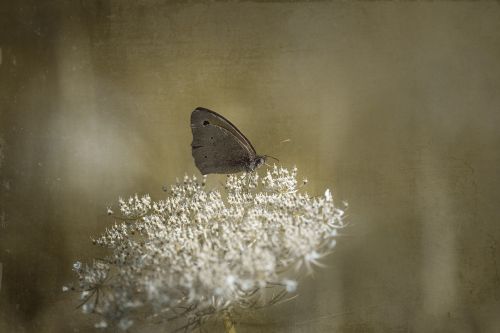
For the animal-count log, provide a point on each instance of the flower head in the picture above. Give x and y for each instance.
(200, 252)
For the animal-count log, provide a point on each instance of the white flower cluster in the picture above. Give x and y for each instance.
(201, 253)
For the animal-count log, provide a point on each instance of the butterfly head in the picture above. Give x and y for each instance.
(257, 162)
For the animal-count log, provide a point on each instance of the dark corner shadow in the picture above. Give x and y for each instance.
(32, 245)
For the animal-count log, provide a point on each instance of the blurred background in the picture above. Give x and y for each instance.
(394, 106)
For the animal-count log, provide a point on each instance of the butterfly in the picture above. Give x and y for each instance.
(219, 147)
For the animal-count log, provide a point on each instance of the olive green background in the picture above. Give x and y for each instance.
(394, 106)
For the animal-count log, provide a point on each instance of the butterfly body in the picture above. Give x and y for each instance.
(219, 147)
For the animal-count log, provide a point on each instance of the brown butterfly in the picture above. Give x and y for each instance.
(219, 147)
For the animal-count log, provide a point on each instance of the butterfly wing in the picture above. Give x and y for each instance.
(200, 115)
(218, 146)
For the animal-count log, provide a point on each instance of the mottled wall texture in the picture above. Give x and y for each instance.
(395, 106)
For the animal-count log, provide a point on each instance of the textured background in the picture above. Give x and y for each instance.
(396, 106)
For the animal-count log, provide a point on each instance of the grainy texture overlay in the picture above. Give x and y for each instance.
(394, 106)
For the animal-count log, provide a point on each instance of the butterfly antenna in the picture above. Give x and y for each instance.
(274, 158)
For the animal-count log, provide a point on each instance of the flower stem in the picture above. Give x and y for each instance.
(228, 323)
